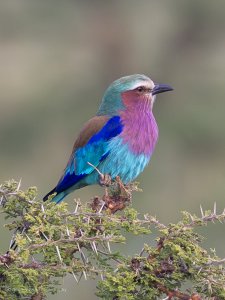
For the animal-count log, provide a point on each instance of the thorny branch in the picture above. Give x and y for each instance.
(78, 243)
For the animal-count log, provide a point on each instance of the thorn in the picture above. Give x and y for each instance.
(214, 209)
(83, 257)
(102, 277)
(108, 245)
(19, 184)
(142, 251)
(80, 277)
(12, 241)
(29, 239)
(67, 231)
(85, 275)
(45, 236)
(146, 217)
(23, 230)
(75, 277)
(101, 208)
(77, 206)
(220, 221)
(42, 208)
(201, 211)
(78, 246)
(191, 217)
(95, 168)
(58, 252)
(81, 254)
(94, 248)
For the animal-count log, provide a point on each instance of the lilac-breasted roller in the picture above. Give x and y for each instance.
(119, 140)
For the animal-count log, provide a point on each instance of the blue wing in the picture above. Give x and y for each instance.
(93, 151)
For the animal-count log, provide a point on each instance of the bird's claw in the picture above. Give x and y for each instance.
(122, 187)
(105, 180)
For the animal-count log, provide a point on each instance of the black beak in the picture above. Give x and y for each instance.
(161, 88)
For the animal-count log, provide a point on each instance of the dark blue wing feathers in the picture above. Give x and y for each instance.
(68, 181)
(111, 129)
(93, 152)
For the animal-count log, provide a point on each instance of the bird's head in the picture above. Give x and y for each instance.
(130, 91)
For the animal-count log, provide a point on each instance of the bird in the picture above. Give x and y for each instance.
(119, 140)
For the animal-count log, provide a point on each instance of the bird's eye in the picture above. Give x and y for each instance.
(140, 89)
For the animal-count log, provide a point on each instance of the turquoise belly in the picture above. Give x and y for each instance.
(120, 162)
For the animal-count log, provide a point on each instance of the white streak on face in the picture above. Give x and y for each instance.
(148, 84)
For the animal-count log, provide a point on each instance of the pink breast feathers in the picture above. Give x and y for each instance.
(140, 130)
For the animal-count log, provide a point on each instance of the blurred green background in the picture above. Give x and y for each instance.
(57, 58)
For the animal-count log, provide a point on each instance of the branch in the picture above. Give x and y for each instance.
(53, 242)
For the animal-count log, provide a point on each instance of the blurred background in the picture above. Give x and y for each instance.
(57, 58)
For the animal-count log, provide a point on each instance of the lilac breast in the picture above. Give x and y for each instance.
(140, 130)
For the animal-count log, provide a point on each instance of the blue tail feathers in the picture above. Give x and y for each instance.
(57, 198)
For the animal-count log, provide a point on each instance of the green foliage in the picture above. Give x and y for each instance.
(53, 242)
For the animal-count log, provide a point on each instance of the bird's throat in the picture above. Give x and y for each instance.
(140, 129)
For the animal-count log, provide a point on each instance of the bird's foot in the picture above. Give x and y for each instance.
(117, 197)
(105, 180)
(123, 189)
